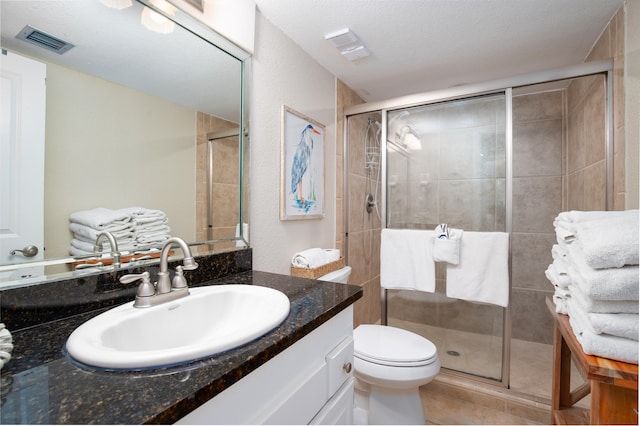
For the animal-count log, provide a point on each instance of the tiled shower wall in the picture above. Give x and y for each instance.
(586, 154)
(538, 140)
(225, 181)
(364, 229)
(567, 174)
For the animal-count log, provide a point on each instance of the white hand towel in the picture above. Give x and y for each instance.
(151, 238)
(603, 345)
(558, 279)
(92, 234)
(332, 254)
(568, 219)
(153, 229)
(483, 272)
(88, 247)
(100, 218)
(587, 304)
(564, 235)
(559, 251)
(143, 212)
(406, 260)
(310, 258)
(621, 325)
(74, 251)
(610, 242)
(603, 284)
(560, 303)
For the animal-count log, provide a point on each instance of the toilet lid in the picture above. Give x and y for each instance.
(392, 346)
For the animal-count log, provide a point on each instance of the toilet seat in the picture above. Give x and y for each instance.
(392, 346)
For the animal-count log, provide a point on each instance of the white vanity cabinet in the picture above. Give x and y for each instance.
(309, 382)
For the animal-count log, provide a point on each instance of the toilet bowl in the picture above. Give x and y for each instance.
(390, 364)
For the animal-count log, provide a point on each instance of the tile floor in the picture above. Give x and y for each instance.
(452, 399)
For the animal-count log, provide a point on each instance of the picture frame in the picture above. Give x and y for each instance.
(301, 167)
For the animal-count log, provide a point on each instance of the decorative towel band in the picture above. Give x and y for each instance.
(446, 244)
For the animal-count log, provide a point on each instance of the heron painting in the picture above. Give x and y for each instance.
(302, 167)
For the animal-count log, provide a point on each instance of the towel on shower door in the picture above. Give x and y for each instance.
(406, 260)
(483, 272)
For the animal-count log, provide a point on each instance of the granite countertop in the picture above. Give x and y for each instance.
(40, 385)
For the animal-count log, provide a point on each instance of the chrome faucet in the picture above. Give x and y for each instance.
(164, 289)
(98, 247)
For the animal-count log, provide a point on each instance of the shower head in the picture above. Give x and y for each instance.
(397, 117)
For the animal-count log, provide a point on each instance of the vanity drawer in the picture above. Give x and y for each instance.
(339, 364)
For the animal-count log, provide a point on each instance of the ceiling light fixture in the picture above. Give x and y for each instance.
(157, 22)
(117, 4)
(348, 44)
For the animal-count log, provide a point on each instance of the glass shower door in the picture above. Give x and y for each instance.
(446, 163)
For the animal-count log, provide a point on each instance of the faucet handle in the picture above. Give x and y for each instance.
(145, 288)
(179, 281)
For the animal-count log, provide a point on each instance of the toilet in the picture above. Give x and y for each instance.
(390, 364)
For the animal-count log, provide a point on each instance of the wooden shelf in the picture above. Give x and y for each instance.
(613, 385)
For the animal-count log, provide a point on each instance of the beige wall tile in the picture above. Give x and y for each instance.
(530, 257)
(594, 187)
(536, 202)
(539, 106)
(537, 148)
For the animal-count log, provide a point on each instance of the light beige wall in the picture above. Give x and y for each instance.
(110, 146)
(632, 102)
(283, 74)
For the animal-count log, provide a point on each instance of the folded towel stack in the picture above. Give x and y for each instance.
(131, 227)
(595, 276)
(86, 225)
(152, 226)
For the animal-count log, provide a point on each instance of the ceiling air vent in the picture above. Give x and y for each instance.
(44, 40)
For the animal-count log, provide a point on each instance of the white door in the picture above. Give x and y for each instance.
(22, 109)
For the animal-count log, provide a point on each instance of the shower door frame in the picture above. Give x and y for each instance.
(505, 86)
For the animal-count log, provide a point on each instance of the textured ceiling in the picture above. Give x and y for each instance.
(422, 45)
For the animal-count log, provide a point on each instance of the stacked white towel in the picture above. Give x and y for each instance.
(152, 226)
(131, 227)
(86, 225)
(595, 276)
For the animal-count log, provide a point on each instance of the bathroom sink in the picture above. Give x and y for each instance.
(210, 320)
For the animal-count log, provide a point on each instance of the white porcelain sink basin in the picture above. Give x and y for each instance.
(210, 320)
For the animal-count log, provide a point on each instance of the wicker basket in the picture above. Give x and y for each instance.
(314, 273)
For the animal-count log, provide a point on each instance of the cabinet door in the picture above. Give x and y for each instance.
(339, 409)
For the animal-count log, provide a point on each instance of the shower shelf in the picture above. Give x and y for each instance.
(371, 158)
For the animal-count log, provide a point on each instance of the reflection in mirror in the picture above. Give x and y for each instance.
(128, 115)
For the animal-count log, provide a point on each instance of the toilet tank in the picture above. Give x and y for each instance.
(339, 276)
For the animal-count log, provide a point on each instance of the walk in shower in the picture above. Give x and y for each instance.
(500, 157)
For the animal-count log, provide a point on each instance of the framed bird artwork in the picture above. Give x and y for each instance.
(301, 167)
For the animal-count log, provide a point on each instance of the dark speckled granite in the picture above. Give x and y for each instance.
(40, 385)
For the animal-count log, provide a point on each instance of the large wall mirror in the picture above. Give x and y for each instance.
(142, 109)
